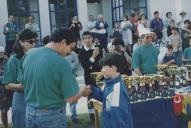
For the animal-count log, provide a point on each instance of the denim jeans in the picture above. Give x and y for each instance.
(18, 110)
(45, 118)
(178, 56)
(73, 111)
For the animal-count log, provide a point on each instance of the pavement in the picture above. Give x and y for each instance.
(82, 103)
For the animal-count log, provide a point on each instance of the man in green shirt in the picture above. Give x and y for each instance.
(145, 57)
(49, 82)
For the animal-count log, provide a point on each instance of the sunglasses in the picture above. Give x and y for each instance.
(32, 41)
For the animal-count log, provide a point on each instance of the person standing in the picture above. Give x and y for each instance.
(127, 36)
(10, 32)
(89, 57)
(157, 25)
(75, 25)
(72, 58)
(145, 57)
(101, 26)
(49, 82)
(32, 25)
(91, 23)
(26, 41)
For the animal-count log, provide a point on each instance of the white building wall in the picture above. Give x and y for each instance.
(82, 13)
(94, 9)
(4, 20)
(106, 10)
(44, 18)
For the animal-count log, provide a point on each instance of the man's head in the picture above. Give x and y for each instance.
(31, 19)
(100, 17)
(186, 23)
(169, 50)
(88, 39)
(112, 63)
(64, 39)
(11, 18)
(117, 44)
(174, 31)
(156, 14)
(146, 36)
(91, 17)
(182, 14)
(75, 18)
(169, 14)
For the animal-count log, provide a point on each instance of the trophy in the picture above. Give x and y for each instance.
(161, 68)
(130, 87)
(98, 77)
(141, 87)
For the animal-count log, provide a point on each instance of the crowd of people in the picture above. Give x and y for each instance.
(37, 82)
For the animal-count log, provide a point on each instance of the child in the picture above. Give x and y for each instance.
(176, 42)
(117, 30)
(6, 96)
(114, 96)
(187, 54)
(169, 59)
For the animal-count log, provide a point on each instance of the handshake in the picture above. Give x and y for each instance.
(85, 91)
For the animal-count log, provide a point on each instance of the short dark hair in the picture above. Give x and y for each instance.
(156, 12)
(118, 41)
(174, 28)
(27, 34)
(59, 34)
(168, 13)
(169, 46)
(86, 33)
(187, 21)
(46, 40)
(115, 59)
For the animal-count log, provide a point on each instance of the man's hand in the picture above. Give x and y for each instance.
(85, 90)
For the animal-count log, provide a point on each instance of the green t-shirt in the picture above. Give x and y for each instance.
(47, 78)
(145, 57)
(187, 54)
(11, 70)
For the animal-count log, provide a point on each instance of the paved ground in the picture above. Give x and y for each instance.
(82, 103)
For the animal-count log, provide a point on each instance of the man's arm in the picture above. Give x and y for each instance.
(14, 87)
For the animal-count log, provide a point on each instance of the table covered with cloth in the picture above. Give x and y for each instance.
(156, 113)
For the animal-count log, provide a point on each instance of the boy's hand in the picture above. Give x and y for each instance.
(95, 53)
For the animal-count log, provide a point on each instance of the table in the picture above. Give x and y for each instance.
(156, 113)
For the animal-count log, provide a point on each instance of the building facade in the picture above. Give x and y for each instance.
(51, 14)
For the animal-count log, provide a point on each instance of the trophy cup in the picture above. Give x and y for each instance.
(131, 89)
(141, 87)
(98, 77)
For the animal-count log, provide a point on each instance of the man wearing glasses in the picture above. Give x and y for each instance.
(145, 57)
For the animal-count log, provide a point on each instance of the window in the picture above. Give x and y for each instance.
(127, 7)
(21, 9)
(61, 12)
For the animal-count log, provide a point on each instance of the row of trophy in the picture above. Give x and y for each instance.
(163, 84)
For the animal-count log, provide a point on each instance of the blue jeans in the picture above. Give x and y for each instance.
(73, 111)
(178, 56)
(45, 118)
(18, 110)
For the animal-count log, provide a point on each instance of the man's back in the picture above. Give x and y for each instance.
(47, 78)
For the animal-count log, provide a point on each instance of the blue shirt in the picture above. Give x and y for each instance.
(116, 111)
(168, 58)
(187, 54)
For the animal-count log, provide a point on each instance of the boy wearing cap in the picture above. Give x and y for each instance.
(145, 57)
(114, 96)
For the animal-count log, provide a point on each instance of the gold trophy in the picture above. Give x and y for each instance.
(98, 77)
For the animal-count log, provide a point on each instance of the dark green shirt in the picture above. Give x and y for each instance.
(47, 78)
(145, 57)
(11, 70)
(187, 54)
